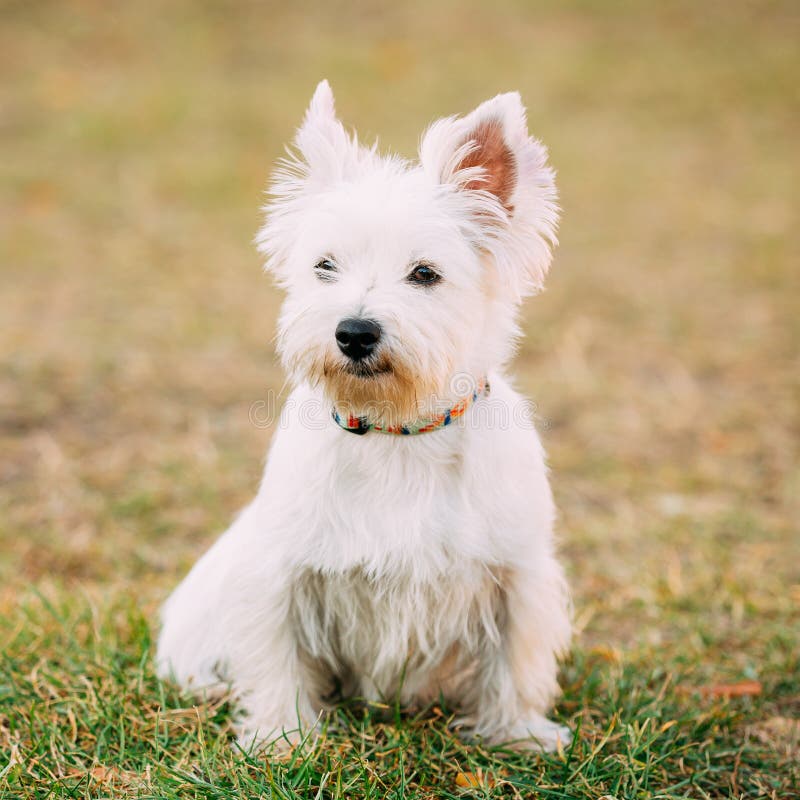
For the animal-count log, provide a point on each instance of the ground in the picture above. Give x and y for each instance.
(136, 338)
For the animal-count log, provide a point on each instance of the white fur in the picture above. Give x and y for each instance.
(389, 564)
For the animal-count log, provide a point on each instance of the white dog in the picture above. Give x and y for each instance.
(417, 558)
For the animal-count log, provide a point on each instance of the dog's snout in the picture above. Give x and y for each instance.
(357, 338)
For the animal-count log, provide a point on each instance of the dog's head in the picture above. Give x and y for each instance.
(403, 275)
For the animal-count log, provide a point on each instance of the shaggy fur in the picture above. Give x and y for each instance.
(383, 565)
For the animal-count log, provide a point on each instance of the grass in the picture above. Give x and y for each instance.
(663, 358)
(92, 718)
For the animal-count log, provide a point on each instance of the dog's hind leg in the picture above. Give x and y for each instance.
(195, 637)
(228, 624)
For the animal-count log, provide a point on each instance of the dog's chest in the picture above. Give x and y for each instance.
(384, 634)
(387, 507)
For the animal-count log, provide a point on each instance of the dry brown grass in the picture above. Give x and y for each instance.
(137, 330)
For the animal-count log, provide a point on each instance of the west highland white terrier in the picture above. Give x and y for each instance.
(401, 543)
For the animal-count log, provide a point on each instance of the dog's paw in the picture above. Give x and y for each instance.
(205, 679)
(536, 732)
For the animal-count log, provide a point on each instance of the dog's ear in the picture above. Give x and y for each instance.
(323, 153)
(501, 173)
(322, 142)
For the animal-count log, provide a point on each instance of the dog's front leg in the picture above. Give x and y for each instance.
(518, 678)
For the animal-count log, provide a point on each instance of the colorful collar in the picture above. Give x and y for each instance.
(360, 425)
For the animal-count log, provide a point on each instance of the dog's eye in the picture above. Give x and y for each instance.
(424, 274)
(325, 269)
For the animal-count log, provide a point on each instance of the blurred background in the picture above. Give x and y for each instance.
(136, 326)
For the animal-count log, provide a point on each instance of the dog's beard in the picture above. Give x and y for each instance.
(385, 389)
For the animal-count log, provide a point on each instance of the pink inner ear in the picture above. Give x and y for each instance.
(495, 156)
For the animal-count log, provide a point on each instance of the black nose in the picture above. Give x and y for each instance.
(357, 338)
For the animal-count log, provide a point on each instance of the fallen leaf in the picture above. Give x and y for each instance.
(740, 689)
(473, 780)
(606, 653)
(103, 774)
(106, 775)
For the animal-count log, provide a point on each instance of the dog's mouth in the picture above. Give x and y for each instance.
(366, 370)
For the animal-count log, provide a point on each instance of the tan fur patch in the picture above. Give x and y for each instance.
(395, 395)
